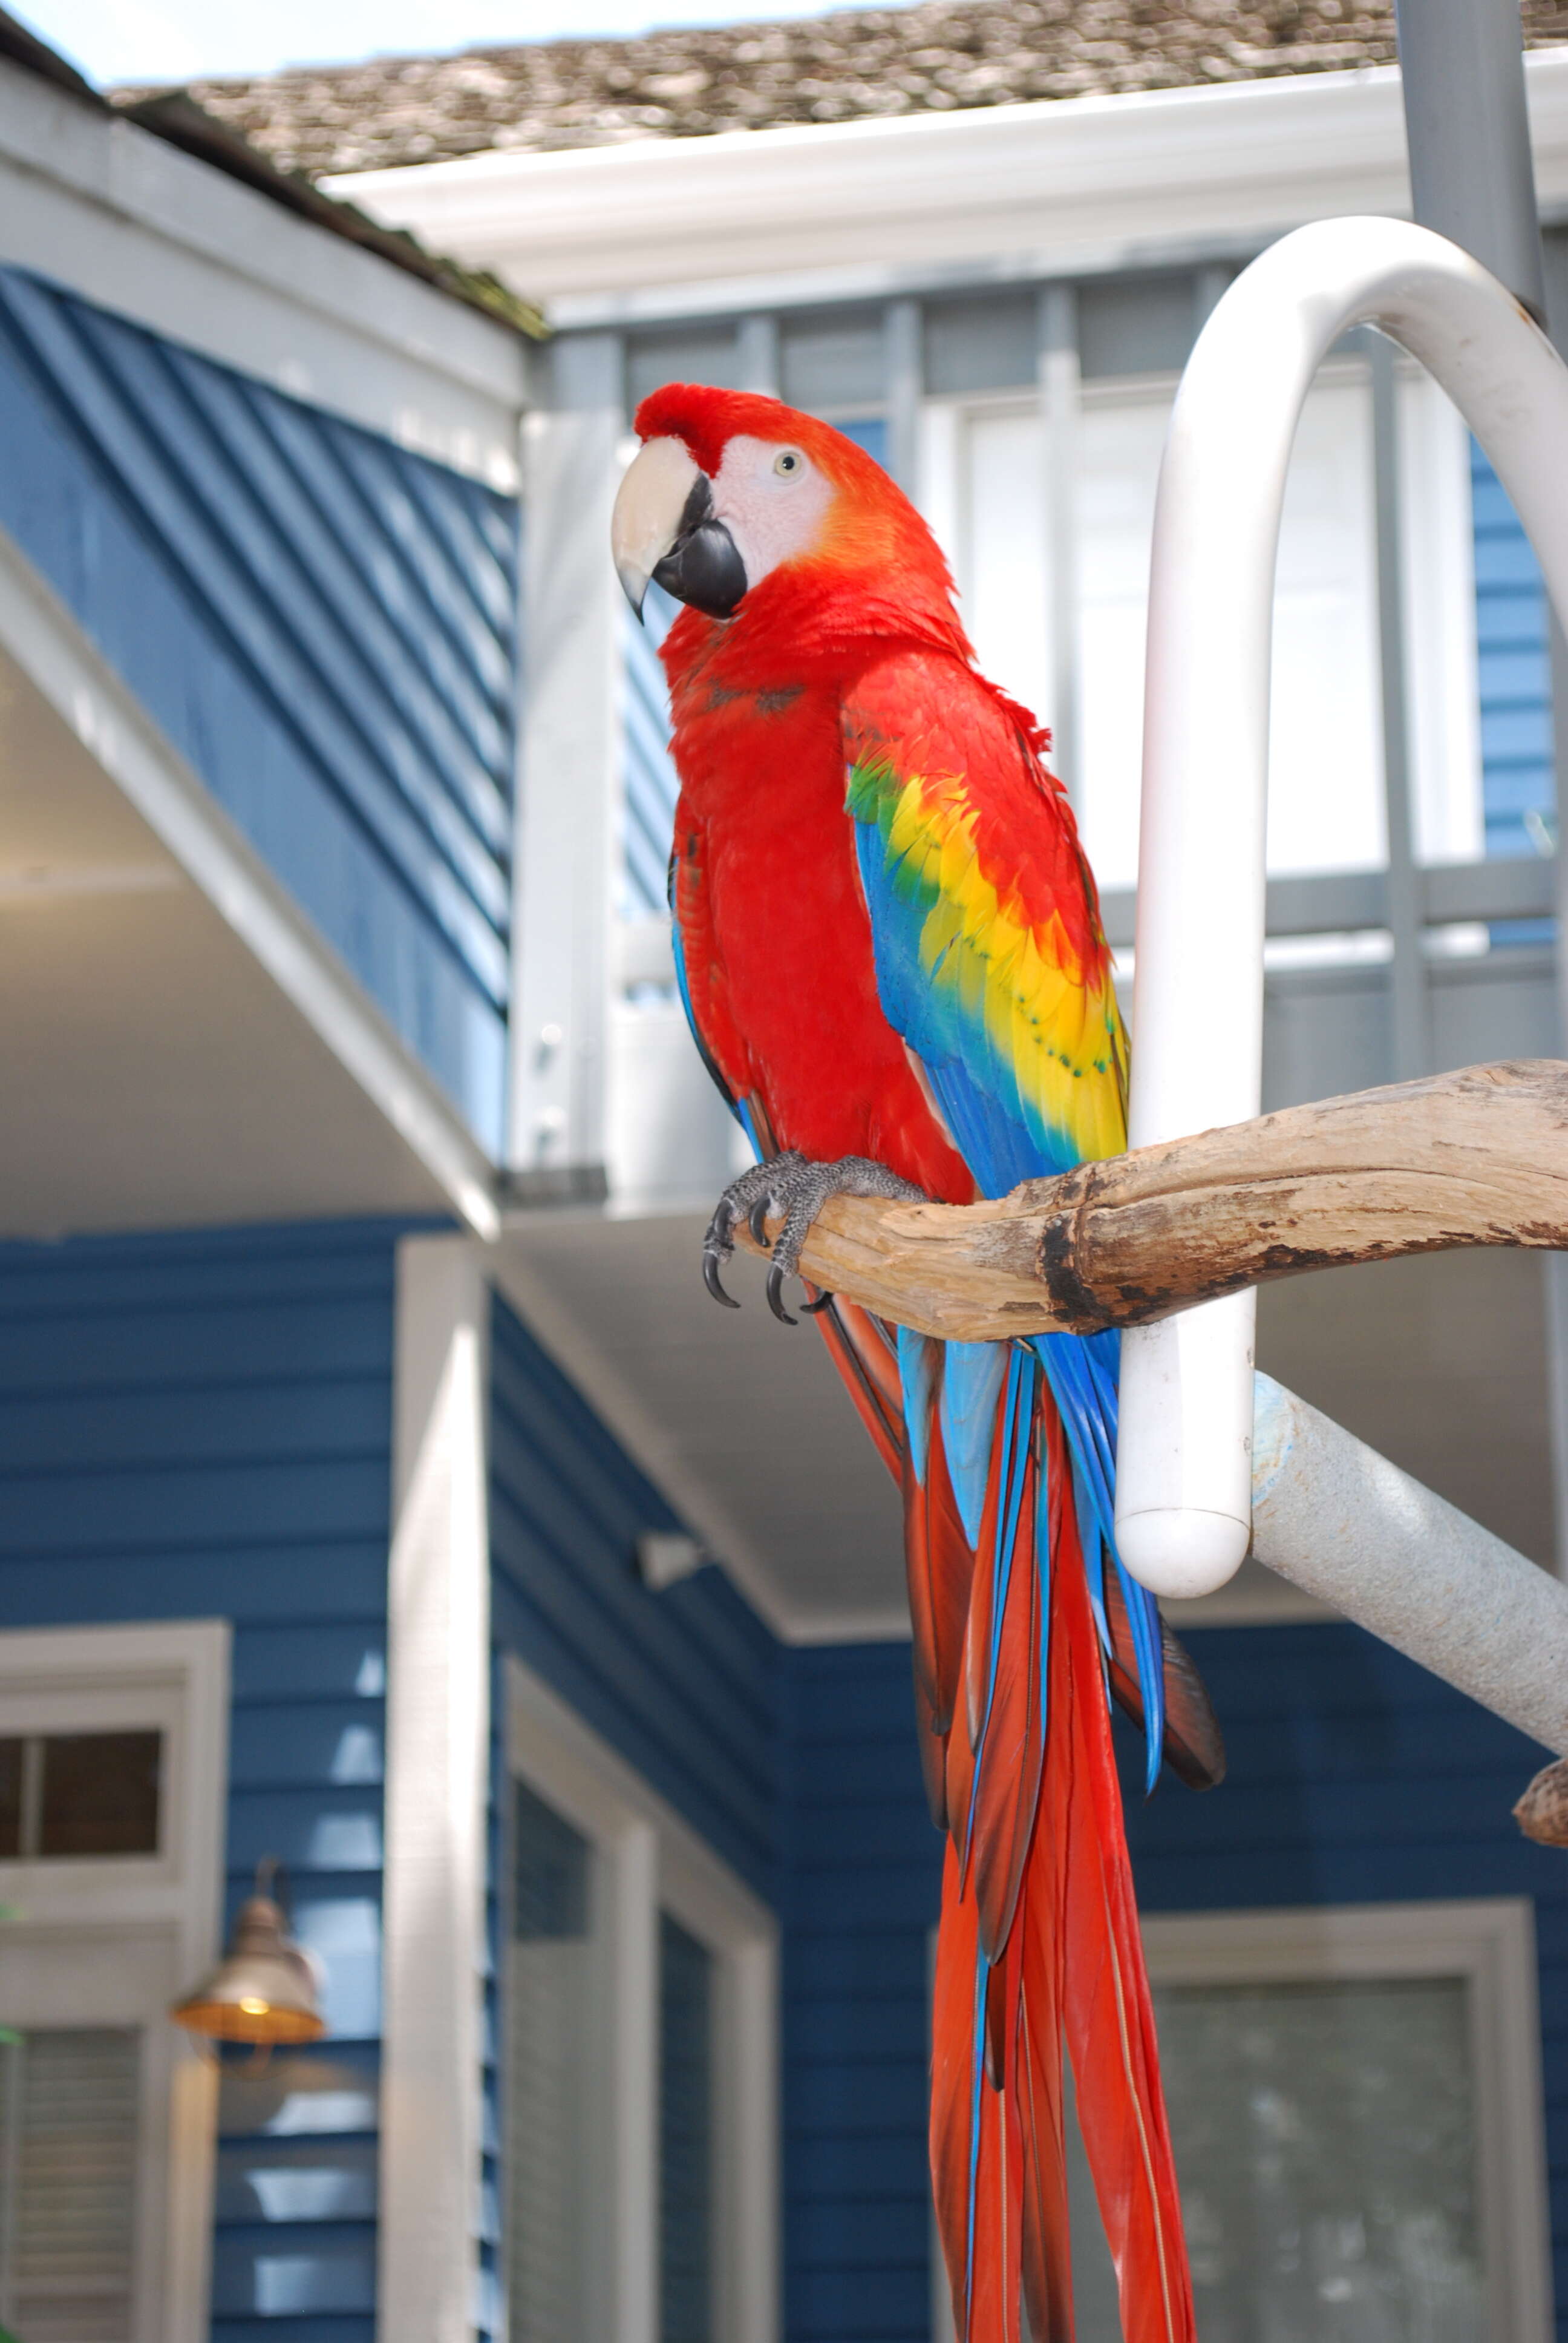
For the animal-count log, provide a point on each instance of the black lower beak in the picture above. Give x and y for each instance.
(703, 567)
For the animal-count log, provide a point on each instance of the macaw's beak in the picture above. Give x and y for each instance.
(664, 528)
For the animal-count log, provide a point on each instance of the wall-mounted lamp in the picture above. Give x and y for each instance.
(263, 1989)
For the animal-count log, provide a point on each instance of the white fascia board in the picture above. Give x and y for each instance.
(125, 219)
(665, 228)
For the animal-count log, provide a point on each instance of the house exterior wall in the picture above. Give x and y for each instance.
(322, 625)
(200, 1425)
(1356, 1778)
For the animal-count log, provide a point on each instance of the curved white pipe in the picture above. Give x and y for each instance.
(1183, 1510)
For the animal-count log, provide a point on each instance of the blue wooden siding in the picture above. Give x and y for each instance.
(1355, 1777)
(683, 1683)
(1517, 785)
(861, 1893)
(323, 625)
(198, 1426)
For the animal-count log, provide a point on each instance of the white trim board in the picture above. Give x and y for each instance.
(45, 641)
(662, 227)
(437, 1801)
(123, 218)
(92, 1914)
(655, 1861)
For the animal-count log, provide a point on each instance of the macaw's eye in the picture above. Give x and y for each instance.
(787, 463)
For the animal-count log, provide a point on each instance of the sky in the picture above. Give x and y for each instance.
(188, 40)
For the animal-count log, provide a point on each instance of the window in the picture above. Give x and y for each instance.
(79, 1794)
(1355, 2103)
(986, 493)
(113, 1746)
(637, 2057)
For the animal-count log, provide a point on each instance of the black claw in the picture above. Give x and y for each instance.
(756, 1220)
(811, 1308)
(776, 1295)
(711, 1279)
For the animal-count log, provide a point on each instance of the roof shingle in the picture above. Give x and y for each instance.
(686, 83)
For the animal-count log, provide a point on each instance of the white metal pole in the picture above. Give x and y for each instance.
(1342, 1522)
(1183, 1511)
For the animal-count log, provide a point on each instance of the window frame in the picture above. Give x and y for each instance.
(1488, 1943)
(79, 1913)
(650, 1860)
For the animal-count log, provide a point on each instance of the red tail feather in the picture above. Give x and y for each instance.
(1037, 1868)
(1069, 1966)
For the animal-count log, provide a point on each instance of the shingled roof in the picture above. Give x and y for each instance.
(683, 84)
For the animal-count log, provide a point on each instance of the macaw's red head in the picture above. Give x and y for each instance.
(730, 490)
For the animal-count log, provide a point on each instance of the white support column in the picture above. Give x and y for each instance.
(570, 782)
(904, 375)
(438, 1779)
(758, 365)
(1059, 389)
(1409, 998)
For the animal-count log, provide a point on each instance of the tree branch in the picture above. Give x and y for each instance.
(1475, 1158)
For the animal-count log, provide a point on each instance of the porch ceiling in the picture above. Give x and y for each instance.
(1439, 1362)
(150, 1071)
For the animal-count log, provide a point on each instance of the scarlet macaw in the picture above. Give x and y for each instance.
(889, 949)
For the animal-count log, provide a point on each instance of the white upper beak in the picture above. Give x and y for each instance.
(648, 512)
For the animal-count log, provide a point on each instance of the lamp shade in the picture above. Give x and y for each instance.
(263, 1989)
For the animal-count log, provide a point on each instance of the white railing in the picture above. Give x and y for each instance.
(1184, 1505)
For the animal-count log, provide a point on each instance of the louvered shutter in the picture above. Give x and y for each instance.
(550, 2058)
(68, 2136)
(684, 2135)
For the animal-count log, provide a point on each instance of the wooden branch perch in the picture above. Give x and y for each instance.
(1476, 1158)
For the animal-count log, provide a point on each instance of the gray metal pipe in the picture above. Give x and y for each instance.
(1471, 177)
(1342, 1522)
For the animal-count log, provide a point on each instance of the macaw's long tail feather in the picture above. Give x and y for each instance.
(1022, 1623)
(1038, 1943)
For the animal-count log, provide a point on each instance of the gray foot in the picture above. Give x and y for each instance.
(798, 1190)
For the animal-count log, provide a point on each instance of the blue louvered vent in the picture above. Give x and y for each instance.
(1518, 792)
(321, 623)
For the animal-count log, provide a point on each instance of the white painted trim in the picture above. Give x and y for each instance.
(175, 1675)
(568, 832)
(667, 227)
(655, 1860)
(123, 218)
(437, 1798)
(43, 639)
(1488, 1943)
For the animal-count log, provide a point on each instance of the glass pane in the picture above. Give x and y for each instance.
(548, 2008)
(684, 2135)
(11, 1799)
(1325, 2145)
(100, 1794)
(68, 2120)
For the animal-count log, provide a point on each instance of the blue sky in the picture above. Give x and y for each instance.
(183, 40)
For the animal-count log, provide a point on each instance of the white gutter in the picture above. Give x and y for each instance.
(668, 227)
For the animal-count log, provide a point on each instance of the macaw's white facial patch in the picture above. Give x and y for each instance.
(773, 500)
